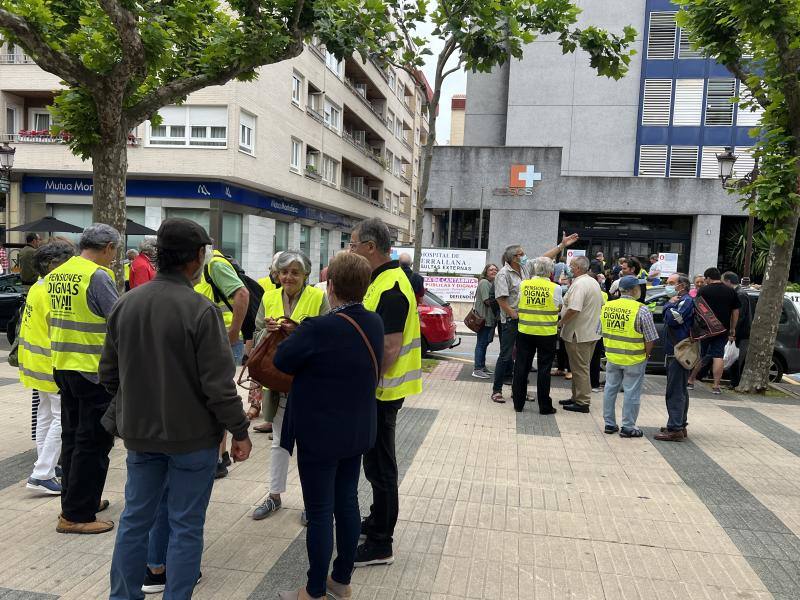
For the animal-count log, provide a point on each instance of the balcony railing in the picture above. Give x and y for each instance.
(405, 179)
(44, 136)
(365, 150)
(365, 101)
(351, 192)
(406, 144)
(315, 114)
(16, 59)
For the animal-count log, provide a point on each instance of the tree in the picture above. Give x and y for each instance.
(480, 35)
(758, 43)
(121, 60)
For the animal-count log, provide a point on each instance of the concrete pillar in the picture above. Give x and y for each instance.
(535, 230)
(258, 234)
(428, 238)
(334, 243)
(705, 243)
(153, 213)
(294, 236)
(314, 249)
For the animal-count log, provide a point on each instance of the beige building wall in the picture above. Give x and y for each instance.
(458, 107)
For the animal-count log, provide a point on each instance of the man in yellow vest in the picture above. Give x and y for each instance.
(391, 296)
(628, 336)
(82, 293)
(537, 332)
(36, 367)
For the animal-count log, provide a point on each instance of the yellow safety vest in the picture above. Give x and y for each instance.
(624, 345)
(266, 284)
(204, 288)
(404, 377)
(127, 270)
(307, 306)
(77, 333)
(538, 313)
(35, 362)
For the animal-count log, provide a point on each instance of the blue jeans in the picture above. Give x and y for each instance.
(187, 479)
(505, 360)
(330, 489)
(238, 353)
(159, 536)
(485, 337)
(630, 378)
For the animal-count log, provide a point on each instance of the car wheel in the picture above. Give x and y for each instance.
(776, 369)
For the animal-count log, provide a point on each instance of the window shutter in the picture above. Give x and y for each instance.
(661, 37)
(745, 163)
(683, 161)
(688, 108)
(719, 101)
(748, 116)
(685, 49)
(709, 166)
(656, 102)
(652, 161)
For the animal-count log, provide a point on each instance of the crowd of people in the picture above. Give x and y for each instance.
(568, 316)
(80, 345)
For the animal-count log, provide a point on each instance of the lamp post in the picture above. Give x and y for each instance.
(6, 165)
(727, 160)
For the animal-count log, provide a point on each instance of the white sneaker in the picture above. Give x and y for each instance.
(595, 390)
(481, 374)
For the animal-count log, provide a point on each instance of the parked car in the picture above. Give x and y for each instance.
(12, 296)
(436, 323)
(786, 355)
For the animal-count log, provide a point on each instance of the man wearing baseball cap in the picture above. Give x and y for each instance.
(171, 421)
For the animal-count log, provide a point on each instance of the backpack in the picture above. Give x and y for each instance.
(252, 286)
(706, 324)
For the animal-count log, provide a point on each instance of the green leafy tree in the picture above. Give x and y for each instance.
(480, 35)
(122, 60)
(759, 42)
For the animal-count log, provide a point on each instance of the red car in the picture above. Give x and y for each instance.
(436, 323)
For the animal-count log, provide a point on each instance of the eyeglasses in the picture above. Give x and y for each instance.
(356, 244)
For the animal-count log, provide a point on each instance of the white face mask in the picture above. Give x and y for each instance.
(209, 255)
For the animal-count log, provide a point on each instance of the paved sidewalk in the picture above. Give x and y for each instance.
(493, 505)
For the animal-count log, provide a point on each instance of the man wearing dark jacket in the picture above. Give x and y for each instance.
(416, 280)
(171, 420)
(731, 279)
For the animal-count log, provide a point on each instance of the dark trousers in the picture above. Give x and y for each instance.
(380, 468)
(594, 366)
(508, 337)
(562, 360)
(735, 371)
(677, 395)
(544, 347)
(85, 445)
(330, 489)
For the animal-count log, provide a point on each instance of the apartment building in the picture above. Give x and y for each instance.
(630, 164)
(291, 160)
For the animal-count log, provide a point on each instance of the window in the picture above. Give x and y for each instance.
(79, 215)
(396, 164)
(247, 129)
(333, 116)
(334, 64)
(232, 235)
(207, 126)
(355, 183)
(390, 121)
(40, 119)
(685, 49)
(312, 158)
(719, 101)
(652, 161)
(324, 243)
(281, 236)
(709, 166)
(398, 129)
(661, 37)
(683, 162)
(389, 160)
(297, 152)
(395, 204)
(749, 116)
(416, 136)
(330, 169)
(297, 88)
(656, 102)
(305, 240)
(392, 80)
(11, 120)
(745, 163)
(387, 200)
(201, 217)
(688, 108)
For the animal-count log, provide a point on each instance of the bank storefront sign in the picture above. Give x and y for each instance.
(450, 262)
(193, 190)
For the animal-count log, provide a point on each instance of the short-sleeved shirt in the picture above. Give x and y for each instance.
(584, 296)
(506, 285)
(224, 277)
(721, 299)
(393, 306)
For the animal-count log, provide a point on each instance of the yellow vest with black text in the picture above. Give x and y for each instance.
(126, 268)
(266, 284)
(35, 360)
(623, 344)
(404, 377)
(77, 333)
(204, 288)
(307, 306)
(538, 313)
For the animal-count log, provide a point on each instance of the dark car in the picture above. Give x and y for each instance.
(436, 324)
(12, 296)
(785, 357)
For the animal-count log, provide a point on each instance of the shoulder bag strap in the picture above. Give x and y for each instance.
(366, 341)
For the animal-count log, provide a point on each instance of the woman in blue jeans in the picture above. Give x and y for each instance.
(331, 416)
(484, 300)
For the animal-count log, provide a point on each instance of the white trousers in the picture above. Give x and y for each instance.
(279, 460)
(48, 436)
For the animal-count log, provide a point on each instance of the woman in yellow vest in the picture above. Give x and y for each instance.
(297, 300)
(36, 368)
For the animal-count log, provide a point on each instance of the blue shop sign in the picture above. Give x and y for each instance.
(195, 190)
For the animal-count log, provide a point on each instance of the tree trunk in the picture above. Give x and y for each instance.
(764, 328)
(110, 167)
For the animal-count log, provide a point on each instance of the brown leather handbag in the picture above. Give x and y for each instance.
(260, 367)
(474, 321)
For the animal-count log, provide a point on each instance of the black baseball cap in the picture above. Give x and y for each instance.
(181, 234)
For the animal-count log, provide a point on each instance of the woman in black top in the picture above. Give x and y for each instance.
(331, 416)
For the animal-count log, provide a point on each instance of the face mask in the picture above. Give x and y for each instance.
(670, 290)
(209, 255)
(523, 260)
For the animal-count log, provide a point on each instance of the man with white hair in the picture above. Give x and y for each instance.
(539, 303)
(82, 294)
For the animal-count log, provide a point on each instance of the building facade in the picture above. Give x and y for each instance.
(458, 106)
(651, 138)
(291, 160)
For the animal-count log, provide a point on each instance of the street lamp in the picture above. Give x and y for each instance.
(727, 160)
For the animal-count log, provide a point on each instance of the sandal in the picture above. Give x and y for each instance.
(498, 397)
(568, 376)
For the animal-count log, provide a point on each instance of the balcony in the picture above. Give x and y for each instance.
(44, 136)
(16, 58)
(359, 183)
(315, 114)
